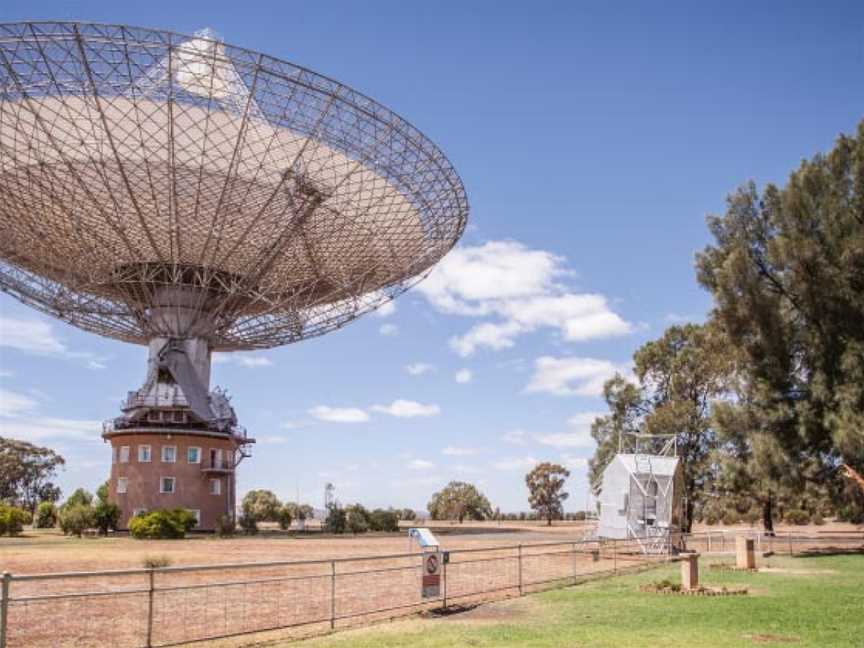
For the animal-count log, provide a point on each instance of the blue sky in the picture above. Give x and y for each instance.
(593, 138)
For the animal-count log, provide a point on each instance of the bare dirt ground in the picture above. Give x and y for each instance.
(379, 581)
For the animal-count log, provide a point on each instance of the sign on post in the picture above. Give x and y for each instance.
(433, 562)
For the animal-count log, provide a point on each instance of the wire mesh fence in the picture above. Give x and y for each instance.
(175, 605)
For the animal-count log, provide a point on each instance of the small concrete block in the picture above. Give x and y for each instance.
(690, 571)
(745, 554)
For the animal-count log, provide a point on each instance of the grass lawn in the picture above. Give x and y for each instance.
(816, 601)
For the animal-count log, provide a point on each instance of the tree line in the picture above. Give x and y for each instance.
(766, 397)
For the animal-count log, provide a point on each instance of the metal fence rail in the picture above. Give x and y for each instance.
(176, 605)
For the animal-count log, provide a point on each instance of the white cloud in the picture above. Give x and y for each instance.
(14, 404)
(388, 329)
(571, 376)
(339, 414)
(578, 437)
(295, 425)
(464, 376)
(419, 368)
(37, 337)
(453, 451)
(420, 464)
(522, 463)
(520, 287)
(514, 437)
(274, 439)
(247, 360)
(20, 421)
(6, 374)
(386, 309)
(407, 409)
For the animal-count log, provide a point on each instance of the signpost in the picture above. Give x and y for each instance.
(433, 563)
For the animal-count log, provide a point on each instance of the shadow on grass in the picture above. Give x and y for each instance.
(830, 551)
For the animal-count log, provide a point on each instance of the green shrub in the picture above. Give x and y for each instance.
(12, 520)
(75, 519)
(383, 520)
(225, 527)
(46, 515)
(106, 515)
(710, 518)
(162, 524)
(731, 517)
(284, 517)
(797, 516)
(155, 562)
(357, 518)
(249, 524)
(80, 496)
(752, 516)
(817, 519)
(337, 520)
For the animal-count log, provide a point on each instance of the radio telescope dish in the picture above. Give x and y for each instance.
(193, 196)
(160, 185)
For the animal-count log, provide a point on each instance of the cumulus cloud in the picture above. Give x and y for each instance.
(246, 360)
(571, 376)
(407, 409)
(522, 289)
(20, 419)
(388, 329)
(463, 376)
(339, 414)
(38, 338)
(579, 435)
(418, 368)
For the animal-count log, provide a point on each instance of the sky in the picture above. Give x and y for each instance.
(593, 138)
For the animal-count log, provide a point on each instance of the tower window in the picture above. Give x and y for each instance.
(169, 454)
(197, 514)
(215, 486)
(144, 454)
(122, 483)
(167, 485)
(124, 454)
(193, 455)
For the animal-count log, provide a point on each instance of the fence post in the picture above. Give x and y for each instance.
(332, 594)
(444, 576)
(575, 564)
(520, 570)
(4, 608)
(150, 609)
(789, 537)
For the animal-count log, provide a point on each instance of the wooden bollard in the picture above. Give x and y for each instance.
(690, 571)
(745, 554)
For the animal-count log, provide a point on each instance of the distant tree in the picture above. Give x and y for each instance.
(26, 471)
(357, 518)
(76, 518)
(546, 490)
(457, 501)
(407, 514)
(383, 520)
(80, 496)
(106, 514)
(46, 515)
(336, 520)
(284, 517)
(261, 506)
